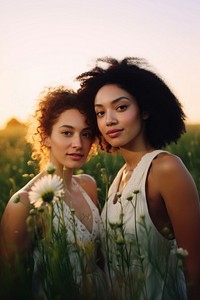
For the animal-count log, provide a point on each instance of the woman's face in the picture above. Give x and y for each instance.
(118, 117)
(70, 140)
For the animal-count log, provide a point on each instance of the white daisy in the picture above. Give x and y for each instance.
(47, 189)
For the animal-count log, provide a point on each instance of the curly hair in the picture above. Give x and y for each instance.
(166, 117)
(52, 102)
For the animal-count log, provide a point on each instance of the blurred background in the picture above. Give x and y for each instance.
(46, 42)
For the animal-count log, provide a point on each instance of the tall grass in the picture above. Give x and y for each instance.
(14, 157)
(15, 154)
(188, 149)
(17, 169)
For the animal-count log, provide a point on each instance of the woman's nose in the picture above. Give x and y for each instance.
(110, 120)
(77, 142)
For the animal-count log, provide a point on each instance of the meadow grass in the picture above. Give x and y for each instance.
(15, 171)
(188, 149)
(17, 167)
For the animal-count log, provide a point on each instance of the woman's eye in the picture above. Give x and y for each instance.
(87, 134)
(99, 114)
(122, 107)
(67, 133)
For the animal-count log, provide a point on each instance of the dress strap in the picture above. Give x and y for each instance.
(140, 172)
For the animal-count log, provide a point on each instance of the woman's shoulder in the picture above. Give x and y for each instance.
(88, 183)
(85, 179)
(168, 169)
(17, 209)
(22, 195)
(166, 162)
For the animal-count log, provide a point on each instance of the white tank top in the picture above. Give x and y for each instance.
(141, 263)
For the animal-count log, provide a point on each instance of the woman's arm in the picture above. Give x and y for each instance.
(180, 195)
(15, 238)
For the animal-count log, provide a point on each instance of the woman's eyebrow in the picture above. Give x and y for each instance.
(66, 126)
(113, 101)
(71, 127)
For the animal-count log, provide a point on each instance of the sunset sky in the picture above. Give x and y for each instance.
(48, 43)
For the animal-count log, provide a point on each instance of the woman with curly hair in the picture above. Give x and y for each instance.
(152, 214)
(62, 134)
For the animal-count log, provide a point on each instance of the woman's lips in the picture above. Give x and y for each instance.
(75, 156)
(114, 133)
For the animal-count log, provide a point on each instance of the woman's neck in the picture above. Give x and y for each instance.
(65, 173)
(132, 157)
(67, 178)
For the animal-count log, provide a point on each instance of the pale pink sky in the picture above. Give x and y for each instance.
(50, 42)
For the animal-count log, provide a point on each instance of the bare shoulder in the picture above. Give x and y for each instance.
(167, 163)
(168, 174)
(88, 183)
(19, 202)
(17, 206)
(86, 179)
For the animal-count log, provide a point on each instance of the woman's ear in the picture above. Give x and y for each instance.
(47, 141)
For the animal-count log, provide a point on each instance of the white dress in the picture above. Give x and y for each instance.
(141, 263)
(78, 257)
